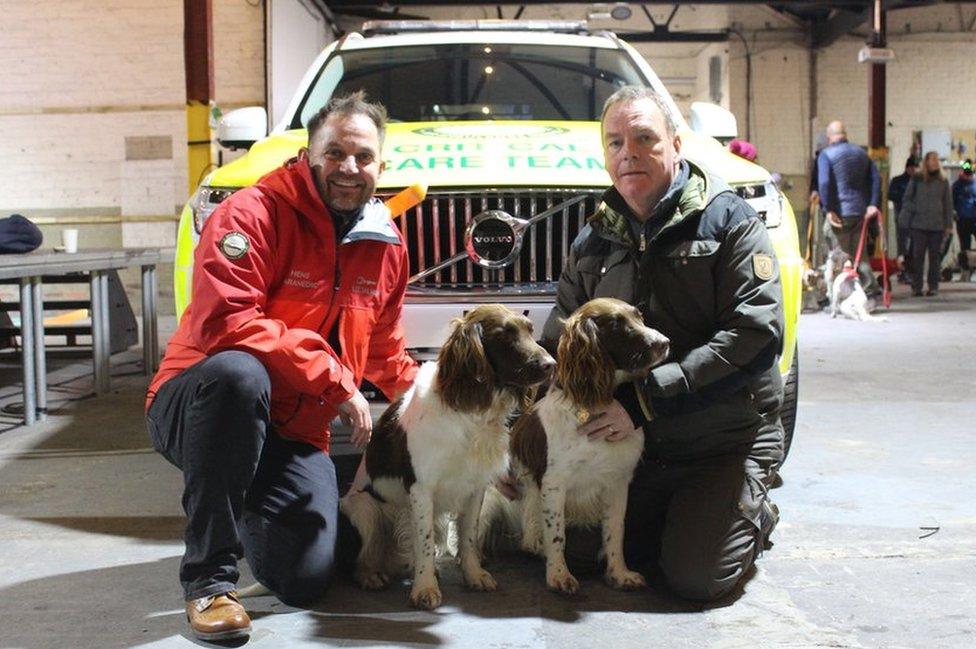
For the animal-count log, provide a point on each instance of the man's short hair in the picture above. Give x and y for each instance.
(629, 94)
(352, 104)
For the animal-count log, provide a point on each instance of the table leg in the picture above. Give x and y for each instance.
(148, 322)
(106, 333)
(40, 357)
(154, 311)
(95, 286)
(27, 349)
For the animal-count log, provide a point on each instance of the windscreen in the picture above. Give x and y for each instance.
(468, 81)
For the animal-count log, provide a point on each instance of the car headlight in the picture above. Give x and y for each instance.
(766, 199)
(205, 201)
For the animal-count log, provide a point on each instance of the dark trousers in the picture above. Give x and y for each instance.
(904, 236)
(702, 522)
(848, 238)
(247, 491)
(926, 241)
(966, 229)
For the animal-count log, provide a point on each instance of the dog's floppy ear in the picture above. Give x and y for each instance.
(464, 375)
(584, 370)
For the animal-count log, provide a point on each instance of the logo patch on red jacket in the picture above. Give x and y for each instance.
(234, 245)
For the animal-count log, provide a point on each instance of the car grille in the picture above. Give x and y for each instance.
(434, 231)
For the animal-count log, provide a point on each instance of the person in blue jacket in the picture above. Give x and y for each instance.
(964, 202)
(850, 191)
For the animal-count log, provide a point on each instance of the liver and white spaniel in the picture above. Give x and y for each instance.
(435, 450)
(565, 476)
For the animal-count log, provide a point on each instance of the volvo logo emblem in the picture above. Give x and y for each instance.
(493, 238)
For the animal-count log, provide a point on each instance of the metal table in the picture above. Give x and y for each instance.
(29, 268)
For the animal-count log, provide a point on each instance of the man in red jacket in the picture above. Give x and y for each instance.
(298, 286)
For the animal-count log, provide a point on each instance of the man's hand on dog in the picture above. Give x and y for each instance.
(612, 425)
(355, 412)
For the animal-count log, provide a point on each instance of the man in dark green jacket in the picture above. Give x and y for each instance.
(697, 261)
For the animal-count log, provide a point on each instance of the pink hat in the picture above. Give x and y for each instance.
(743, 149)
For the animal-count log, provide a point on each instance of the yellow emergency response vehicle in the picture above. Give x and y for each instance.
(501, 120)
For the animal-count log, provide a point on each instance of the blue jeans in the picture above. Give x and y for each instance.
(247, 491)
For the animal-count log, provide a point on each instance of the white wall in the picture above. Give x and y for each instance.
(78, 77)
(297, 34)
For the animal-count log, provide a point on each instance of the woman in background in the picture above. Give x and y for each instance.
(927, 209)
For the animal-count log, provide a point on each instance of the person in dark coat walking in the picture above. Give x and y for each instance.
(927, 209)
(698, 263)
(896, 192)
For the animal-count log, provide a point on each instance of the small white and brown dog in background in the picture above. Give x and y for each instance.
(565, 477)
(435, 451)
(847, 295)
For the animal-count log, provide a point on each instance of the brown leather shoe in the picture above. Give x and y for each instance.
(218, 617)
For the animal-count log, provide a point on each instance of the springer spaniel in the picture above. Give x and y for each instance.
(847, 295)
(564, 476)
(435, 451)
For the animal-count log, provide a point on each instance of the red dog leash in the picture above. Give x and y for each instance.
(886, 287)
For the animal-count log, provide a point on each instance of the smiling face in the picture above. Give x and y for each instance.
(344, 154)
(641, 157)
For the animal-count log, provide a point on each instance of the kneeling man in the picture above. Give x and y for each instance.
(697, 261)
(298, 285)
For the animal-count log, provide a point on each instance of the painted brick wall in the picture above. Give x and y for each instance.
(78, 77)
(927, 85)
(239, 52)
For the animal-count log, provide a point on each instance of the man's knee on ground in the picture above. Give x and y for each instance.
(240, 377)
(306, 586)
(702, 581)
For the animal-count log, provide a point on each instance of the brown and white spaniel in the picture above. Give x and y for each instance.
(435, 451)
(567, 477)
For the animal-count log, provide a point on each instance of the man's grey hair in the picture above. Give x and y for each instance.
(352, 104)
(629, 94)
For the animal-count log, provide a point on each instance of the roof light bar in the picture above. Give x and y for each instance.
(403, 26)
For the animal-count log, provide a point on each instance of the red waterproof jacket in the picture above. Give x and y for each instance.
(270, 279)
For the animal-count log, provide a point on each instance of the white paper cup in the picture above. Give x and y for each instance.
(69, 239)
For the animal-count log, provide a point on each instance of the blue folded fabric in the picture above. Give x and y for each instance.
(18, 234)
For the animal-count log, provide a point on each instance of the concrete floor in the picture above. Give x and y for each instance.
(91, 526)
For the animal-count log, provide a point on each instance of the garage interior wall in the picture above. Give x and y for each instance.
(297, 33)
(92, 94)
(93, 114)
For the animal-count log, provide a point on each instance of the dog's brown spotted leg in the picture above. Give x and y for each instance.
(558, 577)
(425, 592)
(476, 577)
(618, 574)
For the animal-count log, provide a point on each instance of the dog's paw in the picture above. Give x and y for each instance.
(369, 580)
(561, 581)
(480, 579)
(425, 597)
(625, 580)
